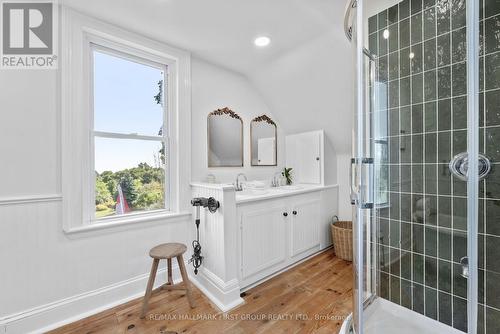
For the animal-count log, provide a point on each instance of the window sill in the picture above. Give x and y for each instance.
(125, 223)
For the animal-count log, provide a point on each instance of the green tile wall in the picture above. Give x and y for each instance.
(422, 230)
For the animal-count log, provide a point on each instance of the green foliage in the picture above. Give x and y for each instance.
(159, 100)
(141, 185)
(150, 196)
(101, 207)
(287, 173)
(102, 193)
(147, 174)
(108, 178)
(129, 188)
(159, 97)
(104, 213)
(162, 153)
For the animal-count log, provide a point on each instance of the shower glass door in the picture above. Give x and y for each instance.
(427, 195)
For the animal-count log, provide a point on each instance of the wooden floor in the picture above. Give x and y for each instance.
(313, 297)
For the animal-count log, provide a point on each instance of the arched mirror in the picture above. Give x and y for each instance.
(225, 139)
(263, 134)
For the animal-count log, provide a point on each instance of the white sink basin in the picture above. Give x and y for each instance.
(252, 192)
(290, 187)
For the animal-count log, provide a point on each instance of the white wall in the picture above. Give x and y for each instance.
(311, 88)
(214, 88)
(44, 269)
(29, 133)
(42, 266)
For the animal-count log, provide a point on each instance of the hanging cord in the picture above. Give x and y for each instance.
(212, 204)
(197, 258)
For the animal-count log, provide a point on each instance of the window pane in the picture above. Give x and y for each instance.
(127, 96)
(130, 176)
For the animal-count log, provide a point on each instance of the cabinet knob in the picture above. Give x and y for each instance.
(294, 212)
(317, 158)
(285, 214)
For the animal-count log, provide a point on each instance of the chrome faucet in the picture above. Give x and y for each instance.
(237, 184)
(275, 182)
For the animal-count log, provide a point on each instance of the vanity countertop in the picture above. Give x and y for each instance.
(251, 195)
(246, 196)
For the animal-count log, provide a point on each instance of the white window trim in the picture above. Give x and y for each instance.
(79, 34)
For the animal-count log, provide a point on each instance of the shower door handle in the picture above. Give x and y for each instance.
(459, 166)
(353, 174)
(464, 263)
(366, 183)
(361, 178)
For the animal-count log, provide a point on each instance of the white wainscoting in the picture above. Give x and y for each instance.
(78, 307)
(217, 277)
(27, 199)
(49, 279)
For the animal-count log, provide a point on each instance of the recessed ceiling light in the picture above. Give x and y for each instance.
(262, 41)
(412, 55)
(386, 34)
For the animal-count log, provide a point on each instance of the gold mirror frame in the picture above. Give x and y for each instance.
(222, 112)
(267, 119)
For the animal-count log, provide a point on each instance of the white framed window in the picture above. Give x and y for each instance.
(130, 134)
(125, 114)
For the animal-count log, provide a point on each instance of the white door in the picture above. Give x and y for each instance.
(263, 235)
(304, 227)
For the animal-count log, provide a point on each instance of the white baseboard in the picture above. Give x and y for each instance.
(62, 312)
(54, 315)
(225, 296)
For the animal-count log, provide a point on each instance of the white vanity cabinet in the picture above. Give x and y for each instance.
(256, 235)
(263, 243)
(276, 233)
(304, 226)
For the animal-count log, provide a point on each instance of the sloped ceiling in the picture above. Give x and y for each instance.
(304, 75)
(311, 88)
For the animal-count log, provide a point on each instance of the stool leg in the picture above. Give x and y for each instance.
(149, 288)
(169, 271)
(185, 279)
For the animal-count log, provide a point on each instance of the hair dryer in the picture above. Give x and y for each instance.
(212, 204)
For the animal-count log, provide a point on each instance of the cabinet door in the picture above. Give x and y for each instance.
(263, 235)
(304, 227)
(308, 147)
(304, 155)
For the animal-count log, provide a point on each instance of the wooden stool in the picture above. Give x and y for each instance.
(167, 251)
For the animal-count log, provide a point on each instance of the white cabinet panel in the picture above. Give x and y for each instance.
(263, 236)
(271, 241)
(304, 227)
(304, 153)
(308, 149)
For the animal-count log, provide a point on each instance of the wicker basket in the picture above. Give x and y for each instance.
(342, 238)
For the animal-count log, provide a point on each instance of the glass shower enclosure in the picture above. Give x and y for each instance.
(425, 185)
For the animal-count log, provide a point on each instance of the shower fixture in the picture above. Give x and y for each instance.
(459, 166)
